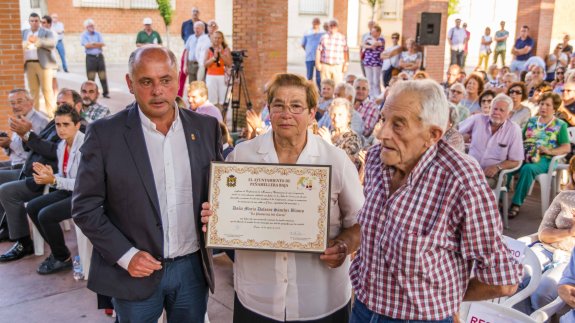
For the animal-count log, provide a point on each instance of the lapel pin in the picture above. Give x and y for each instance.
(193, 137)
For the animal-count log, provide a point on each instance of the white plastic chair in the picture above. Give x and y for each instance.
(547, 183)
(546, 312)
(532, 266)
(495, 313)
(36, 236)
(501, 191)
(84, 251)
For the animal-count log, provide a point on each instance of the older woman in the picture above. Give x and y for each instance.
(520, 113)
(473, 86)
(372, 62)
(274, 286)
(410, 60)
(217, 58)
(485, 100)
(543, 137)
(342, 136)
(537, 78)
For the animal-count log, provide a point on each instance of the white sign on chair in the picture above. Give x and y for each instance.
(517, 248)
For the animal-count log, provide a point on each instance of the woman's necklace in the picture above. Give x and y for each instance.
(543, 125)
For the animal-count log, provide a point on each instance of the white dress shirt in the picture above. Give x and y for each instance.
(204, 42)
(299, 286)
(170, 163)
(16, 150)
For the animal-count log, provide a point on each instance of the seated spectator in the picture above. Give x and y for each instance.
(47, 211)
(350, 79)
(533, 101)
(485, 100)
(496, 142)
(341, 135)
(410, 60)
(456, 94)
(559, 80)
(566, 290)
(345, 91)
(506, 81)
(452, 136)
(493, 76)
(91, 109)
(520, 113)
(537, 78)
(554, 60)
(544, 137)
(452, 74)
(365, 106)
(420, 75)
(556, 241)
(474, 87)
(327, 89)
(198, 99)
(567, 110)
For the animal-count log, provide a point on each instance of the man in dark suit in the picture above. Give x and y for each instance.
(139, 189)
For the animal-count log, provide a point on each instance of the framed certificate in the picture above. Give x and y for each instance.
(269, 207)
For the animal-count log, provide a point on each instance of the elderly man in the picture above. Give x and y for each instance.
(91, 109)
(456, 38)
(332, 55)
(365, 105)
(522, 50)
(93, 43)
(198, 98)
(567, 109)
(496, 141)
(452, 75)
(456, 94)
(39, 65)
(138, 193)
(429, 222)
(309, 43)
(148, 35)
(195, 49)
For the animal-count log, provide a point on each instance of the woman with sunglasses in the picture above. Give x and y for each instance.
(520, 113)
(554, 60)
(559, 80)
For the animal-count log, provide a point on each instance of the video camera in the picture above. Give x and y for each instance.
(238, 57)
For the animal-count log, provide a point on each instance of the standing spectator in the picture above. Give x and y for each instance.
(410, 60)
(91, 109)
(431, 231)
(373, 47)
(501, 46)
(148, 35)
(58, 28)
(390, 57)
(484, 49)
(40, 62)
(188, 25)
(466, 47)
(93, 43)
(522, 50)
(456, 38)
(520, 113)
(364, 37)
(217, 58)
(365, 106)
(46, 22)
(332, 56)
(195, 47)
(567, 48)
(309, 43)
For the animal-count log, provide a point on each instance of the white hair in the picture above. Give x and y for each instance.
(88, 22)
(337, 102)
(433, 103)
(457, 86)
(513, 76)
(361, 79)
(503, 98)
(200, 23)
(349, 91)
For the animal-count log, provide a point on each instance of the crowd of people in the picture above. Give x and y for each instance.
(414, 163)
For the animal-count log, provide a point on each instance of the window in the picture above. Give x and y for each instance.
(315, 7)
(391, 9)
(123, 4)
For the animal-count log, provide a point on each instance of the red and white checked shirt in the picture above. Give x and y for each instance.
(332, 48)
(369, 112)
(419, 245)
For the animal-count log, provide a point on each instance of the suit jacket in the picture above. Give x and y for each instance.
(115, 202)
(43, 146)
(46, 44)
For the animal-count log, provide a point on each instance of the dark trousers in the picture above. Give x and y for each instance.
(47, 211)
(183, 292)
(95, 64)
(310, 66)
(457, 58)
(362, 314)
(244, 315)
(387, 76)
(13, 195)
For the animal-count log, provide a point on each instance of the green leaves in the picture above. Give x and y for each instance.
(166, 11)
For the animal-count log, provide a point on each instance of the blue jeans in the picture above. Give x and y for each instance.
(182, 292)
(361, 314)
(310, 66)
(62, 53)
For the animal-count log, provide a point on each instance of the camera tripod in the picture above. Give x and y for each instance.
(234, 92)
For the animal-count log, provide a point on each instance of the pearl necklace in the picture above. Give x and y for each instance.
(544, 125)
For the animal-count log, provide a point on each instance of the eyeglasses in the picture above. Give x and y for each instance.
(515, 92)
(394, 37)
(567, 90)
(294, 108)
(486, 101)
(559, 73)
(456, 92)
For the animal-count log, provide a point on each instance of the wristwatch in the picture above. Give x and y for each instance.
(26, 136)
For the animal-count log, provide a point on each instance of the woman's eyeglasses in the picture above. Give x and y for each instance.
(515, 92)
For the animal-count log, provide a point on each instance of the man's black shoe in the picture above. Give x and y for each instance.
(4, 234)
(17, 251)
(107, 96)
(52, 265)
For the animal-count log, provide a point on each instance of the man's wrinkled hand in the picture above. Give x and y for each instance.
(335, 255)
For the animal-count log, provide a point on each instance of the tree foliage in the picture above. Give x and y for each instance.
(166, 11)
(374, 4)
(452, 7)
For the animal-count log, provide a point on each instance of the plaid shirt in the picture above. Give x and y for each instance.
(369, 114)
(419, 245)
(94, 112)
(332, 48)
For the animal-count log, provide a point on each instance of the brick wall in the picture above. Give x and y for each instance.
(340, 13)
(434, 55)
(267, 53)
(11, 57)
(538, 15)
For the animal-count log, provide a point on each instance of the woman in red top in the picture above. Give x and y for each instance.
(218, 58)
